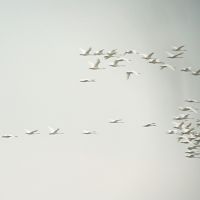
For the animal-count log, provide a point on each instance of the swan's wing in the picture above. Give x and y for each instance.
(180, 47)
(88, 51)
(178, 54)
(192, 109)
(97, 63)
(128, 74)
(198, 71)
(151, 54)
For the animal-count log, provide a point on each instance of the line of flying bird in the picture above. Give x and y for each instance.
(178, 52)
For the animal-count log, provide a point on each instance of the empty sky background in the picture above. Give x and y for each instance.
(40, 69)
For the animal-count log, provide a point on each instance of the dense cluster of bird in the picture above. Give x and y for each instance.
(186, 130)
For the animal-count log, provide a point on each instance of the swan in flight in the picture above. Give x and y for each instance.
(116, 62)
(149, 124)
(172, 56)
(180, 48)
(115, 121)
(197, 72)
(85, 52)
(155, 61)
(111, 54)
(147, 56)
(8, 136)
(87, 80)
(95, 66)
(128, 74)
(178, 125)
(192, 101)
(165, 66)
(54, 131)
(186, 69)
(31, 132)
(172, 132)
(187, 131)
(128, 52)
(182, 117)
(120, 59)
(86, 132)
(188, 125)
(187, 108)
(99, 53)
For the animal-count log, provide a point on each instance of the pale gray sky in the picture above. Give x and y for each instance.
(39, 83)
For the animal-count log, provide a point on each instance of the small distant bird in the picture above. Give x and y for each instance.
(196, 73)
(188, 125)
(85, 52)
(115, 121)
(128, 52)
(86, 132)
(165, 66)
(149, 124)
(99, 53)
(115, 63)
(87, 80)
(192, 147)
(180, 138)
(186, 69)
(178, 125)
(190, 152)
(172, 56)
(189, 156)
(95, 66)
(180, 48)
(187, 108)
(31, 132)
(110, 54)
(8, 136)
(182, 117)
(155, 61)
(192, 101)
(172, 132)
(120, 59)
(147, 56)
(54, 131)
(128, 74)
(187, 131)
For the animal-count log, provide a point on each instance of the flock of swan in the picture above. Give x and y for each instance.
(186, 125)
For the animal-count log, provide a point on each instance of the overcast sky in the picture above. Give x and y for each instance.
(39, 87)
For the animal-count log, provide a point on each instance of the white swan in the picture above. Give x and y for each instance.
(172, 56)
(85, 52)
(31, 132)
(165, 66)
(54, 131)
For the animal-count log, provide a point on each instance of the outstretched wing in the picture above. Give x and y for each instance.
(179, 48)
(88, 51)
(151, 54)
(97, 63)
(176, 55)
